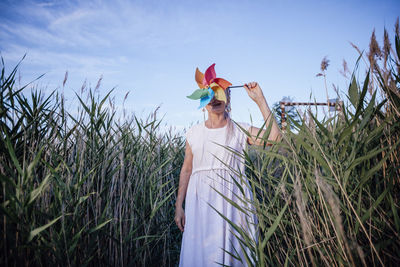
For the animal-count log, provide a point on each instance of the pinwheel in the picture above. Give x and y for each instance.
(210, 86)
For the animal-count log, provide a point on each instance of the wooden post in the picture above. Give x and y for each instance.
(283, 117)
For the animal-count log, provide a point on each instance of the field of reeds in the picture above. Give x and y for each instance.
(84, 188)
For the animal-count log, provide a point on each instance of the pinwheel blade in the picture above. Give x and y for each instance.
(199, 76)
(206, 99)
(222, 83)
(210, 74)
(220, 94)
(199, 93)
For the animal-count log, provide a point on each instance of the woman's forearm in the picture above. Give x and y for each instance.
(183, 185)
(268, 116)
(254, 91)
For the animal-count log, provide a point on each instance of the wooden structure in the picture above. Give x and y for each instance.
(334, 103)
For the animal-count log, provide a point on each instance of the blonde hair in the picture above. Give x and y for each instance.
(227, 115)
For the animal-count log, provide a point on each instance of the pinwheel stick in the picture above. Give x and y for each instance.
(236, 86)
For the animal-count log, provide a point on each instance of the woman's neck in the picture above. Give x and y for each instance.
(216, 120)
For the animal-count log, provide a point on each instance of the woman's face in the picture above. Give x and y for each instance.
(216, 106)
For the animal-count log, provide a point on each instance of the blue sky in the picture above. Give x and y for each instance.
(152, 48)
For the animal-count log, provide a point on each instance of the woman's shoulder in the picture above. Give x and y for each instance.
(195, 127)
(192, 134)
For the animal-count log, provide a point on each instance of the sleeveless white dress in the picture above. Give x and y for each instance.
(208, 239)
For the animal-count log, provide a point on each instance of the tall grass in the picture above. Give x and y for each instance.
(84, 189)
(328, 194)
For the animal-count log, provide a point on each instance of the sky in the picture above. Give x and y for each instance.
(151, 49)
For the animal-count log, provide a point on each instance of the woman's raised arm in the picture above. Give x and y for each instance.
(255, 93)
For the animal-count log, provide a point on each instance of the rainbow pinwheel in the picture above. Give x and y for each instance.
(210, 86)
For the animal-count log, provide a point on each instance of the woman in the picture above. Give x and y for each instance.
(206, 180)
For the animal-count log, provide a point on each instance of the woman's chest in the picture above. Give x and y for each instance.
(217, 144)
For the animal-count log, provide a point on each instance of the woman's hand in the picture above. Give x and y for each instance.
(180, 218)
(254, 91)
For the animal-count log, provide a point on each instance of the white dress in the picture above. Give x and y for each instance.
(207, 237)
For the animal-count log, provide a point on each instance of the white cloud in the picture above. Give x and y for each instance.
(101, 24)
(60, 61)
